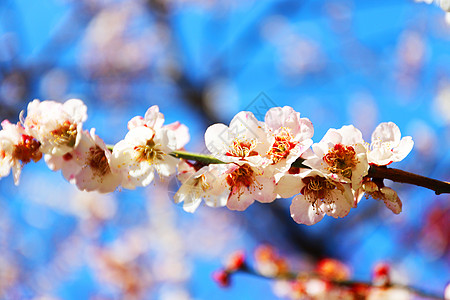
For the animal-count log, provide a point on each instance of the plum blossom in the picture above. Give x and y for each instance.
(155, 120)
(386, 146)
(147, 147)
(318, 195)
(247, 183)
(89, 166)
(388, 195)
(142, 152)
(290, 136)
(199, 183)
(245, 140)
(341, 154)
(57, 126)
(16, 149)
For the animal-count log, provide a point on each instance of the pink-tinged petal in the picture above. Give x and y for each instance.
(343, 204)
(306, 130)
(403, 148)
(264, 190)
(391, 200)
(181, 134)
(136, 122)
(278, 117)
(153, 118)
(386, 132)
(239, 199)
(303, 212)
(289, 185)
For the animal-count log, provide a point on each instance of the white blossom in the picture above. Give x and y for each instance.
(386, 146)
(342, 155)
(200, 184)
(57, 126)
(317, 195)
(16, 149)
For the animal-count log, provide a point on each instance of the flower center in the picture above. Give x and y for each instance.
(65, 135)
(341, 160)
(282, 145)
(27, 150)
(98, 161)
(241, 177)
(317, 188)
(242, 148)
(149, 152)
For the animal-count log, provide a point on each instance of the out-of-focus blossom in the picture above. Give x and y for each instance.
(386, 146)
(333, 269)
(388, 294)
(342, 155)
(381, 274)
(57, 126)
(16, 149)
(269, 263)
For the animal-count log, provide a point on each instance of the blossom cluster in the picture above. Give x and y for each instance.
(250, 160)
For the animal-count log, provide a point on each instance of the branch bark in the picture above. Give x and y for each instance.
(439, 187)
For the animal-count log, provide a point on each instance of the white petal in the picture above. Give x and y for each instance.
(289, 185)
(218, 139)
(386, 132)
(402, 150)
(240, 199)
(303, 212)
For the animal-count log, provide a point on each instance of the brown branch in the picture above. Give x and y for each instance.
(439, 187)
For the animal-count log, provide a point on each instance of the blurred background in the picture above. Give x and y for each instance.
(337, 62)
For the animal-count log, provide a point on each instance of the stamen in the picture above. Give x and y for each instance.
(149, 152)
(98, 161)
(27, 150)
(317, 190)
(282, 145)
(65, 135)
(341, 160)
(242, 148)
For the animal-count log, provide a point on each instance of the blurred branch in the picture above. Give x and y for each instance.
(356, 285)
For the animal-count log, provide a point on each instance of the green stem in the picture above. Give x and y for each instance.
(203, 158)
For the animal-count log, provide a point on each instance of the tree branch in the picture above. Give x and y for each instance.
(375, 172)
(343, 283)
(439, 187)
